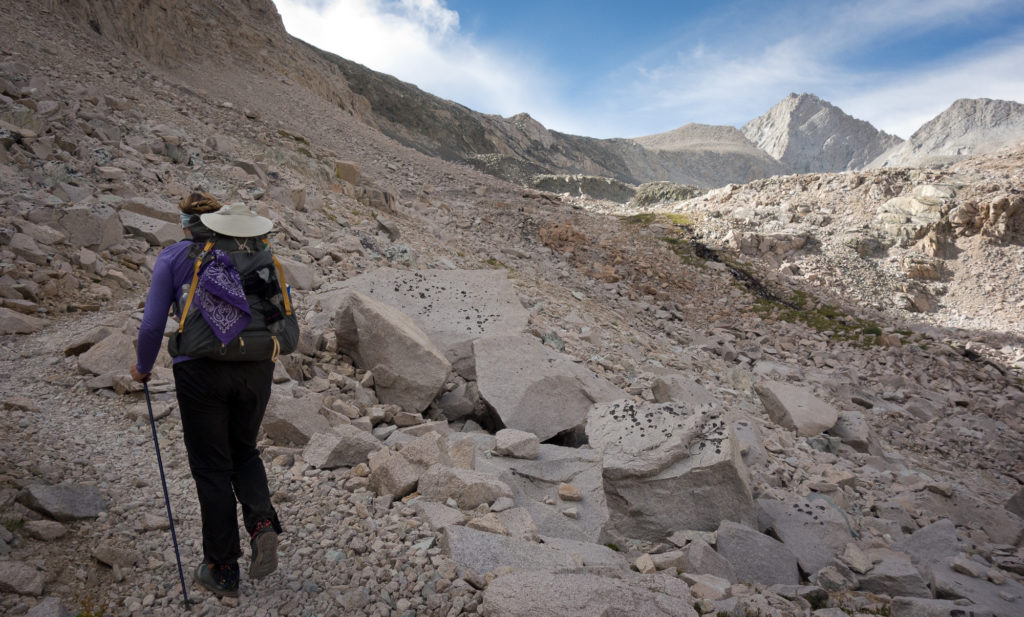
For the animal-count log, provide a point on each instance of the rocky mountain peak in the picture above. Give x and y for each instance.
(967, 127)
(809, 134)
(533, 129)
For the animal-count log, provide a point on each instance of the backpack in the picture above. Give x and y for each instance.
(273, 329)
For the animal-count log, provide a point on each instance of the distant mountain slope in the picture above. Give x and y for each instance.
(250, 33)
(722, 138)
(808, 134)
(968, 127)
(704, 154)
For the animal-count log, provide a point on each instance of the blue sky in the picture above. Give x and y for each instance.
(626, 69)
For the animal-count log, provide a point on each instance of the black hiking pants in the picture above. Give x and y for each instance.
(222, 405)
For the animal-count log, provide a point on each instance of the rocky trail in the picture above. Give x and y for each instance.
(798, 396)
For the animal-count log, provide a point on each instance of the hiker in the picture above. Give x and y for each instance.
(222, 402)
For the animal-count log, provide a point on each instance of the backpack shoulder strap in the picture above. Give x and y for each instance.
(280, 280)
(195, 283)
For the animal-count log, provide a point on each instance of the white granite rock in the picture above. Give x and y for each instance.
(535, 389)
(408, 370)
(668, 468)
(517, 444)
(756, 557)
(796, 408)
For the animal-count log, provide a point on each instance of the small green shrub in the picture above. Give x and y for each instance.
(645, 218)
(679, 219)
(826, 319)
(89, 608)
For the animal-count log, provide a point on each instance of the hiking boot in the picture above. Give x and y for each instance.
(222, 580)
(264, 550)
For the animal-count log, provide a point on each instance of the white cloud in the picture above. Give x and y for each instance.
(420, 41)
(884, 17)
(905, 102)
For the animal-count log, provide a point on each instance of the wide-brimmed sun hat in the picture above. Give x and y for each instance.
(237, 220)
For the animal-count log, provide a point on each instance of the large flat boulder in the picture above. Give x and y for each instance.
(667, 468)
(95, 226)
(437, 515)
(467, 487)
(13, 322)
(853, 429)
(586, 594)
(796, 408)
(157, 232)
(895, 575)
(50, 607)
(342, 446)
(517, 444)
(700, 558)
(641, 439)
(113, 354)
(678, 388)
(293, 421)
(299, 275)
(591, 555)
(453, 307)
(812, 530)
(483, 552)
(534, 484)
(756, 557)
(23, 246)
(154, 208)
(408, 370)
(535, 389)
(21, 578)
(64, 502)
(934, 548)
(968, 510)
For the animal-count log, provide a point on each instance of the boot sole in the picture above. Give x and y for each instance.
(264, 555)
(212, 588)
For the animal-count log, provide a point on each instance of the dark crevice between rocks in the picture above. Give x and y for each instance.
(748, 280)
(575, 437)
(489, 419)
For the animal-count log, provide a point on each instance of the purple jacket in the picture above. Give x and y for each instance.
(173, 269)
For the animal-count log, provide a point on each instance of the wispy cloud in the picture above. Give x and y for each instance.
(742, 72)
(420, 41)
(900, 105)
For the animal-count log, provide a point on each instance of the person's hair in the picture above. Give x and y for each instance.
(199, 203)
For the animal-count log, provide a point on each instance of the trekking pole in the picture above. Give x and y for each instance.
(167, 498)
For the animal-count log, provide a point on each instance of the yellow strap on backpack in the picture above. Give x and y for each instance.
(192, 287)
(281, 281)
